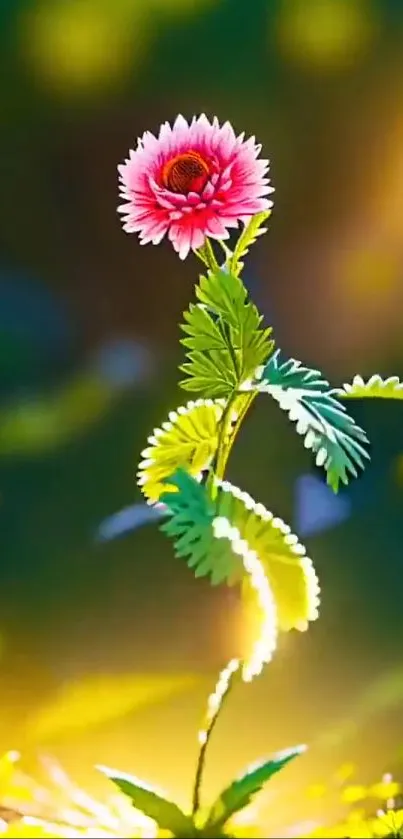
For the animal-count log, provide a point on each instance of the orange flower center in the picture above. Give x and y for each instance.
(186, 172)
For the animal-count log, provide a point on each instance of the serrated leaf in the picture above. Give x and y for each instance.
(240, 793)
(192, 512)
(333, 436)
(211, 366)
(225, 339)
(213, 547)
(188, 439)
(248, 237)
(375, 387)
(289, 571)
(164, 812)
(209, 372)
(203, 331)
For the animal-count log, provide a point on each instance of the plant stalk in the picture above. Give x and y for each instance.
(207, 256)
(224, 453)
(226, 439)
(223, 686)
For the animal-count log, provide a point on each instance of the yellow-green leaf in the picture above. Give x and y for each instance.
(289, 571)
(375, 387)
(188, 440)
(250, 233)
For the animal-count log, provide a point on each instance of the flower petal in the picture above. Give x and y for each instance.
(235, 189)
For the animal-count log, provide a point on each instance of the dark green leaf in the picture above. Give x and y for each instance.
(333, 436)
(239, 794)
(166, 813)
(190, 525)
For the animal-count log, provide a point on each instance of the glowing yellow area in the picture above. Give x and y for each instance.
(83, 44)
(97, 700)
(370, 276)
(325, 34)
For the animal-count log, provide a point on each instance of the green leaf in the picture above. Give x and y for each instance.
(191, 527)
(289, 571)
(247, 238)
(166, 813)
(211, 366)
(204, 332)
(375, 387)
(333, 436)
(209, 375)
(240, 793)
(224, 337)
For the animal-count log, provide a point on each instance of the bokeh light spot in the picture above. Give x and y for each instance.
(81, 45)
(370, 275)
(325, 34)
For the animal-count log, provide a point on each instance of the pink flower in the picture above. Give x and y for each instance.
(192, 182)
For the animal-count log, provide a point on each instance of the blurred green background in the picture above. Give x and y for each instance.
(88, 366)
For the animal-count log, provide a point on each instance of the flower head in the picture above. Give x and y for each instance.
(193, 181)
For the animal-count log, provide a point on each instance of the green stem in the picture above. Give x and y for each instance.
(226, 451)
(201, 760)
(225, 441)
(227, 253)
(224, 445)
(226, 334)
(226, 438)
(207, 256)
(215, 468)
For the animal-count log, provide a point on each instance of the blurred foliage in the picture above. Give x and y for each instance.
(59, 808)
(56, 806)
(75, 46)
(365, 819)
(38, 426)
